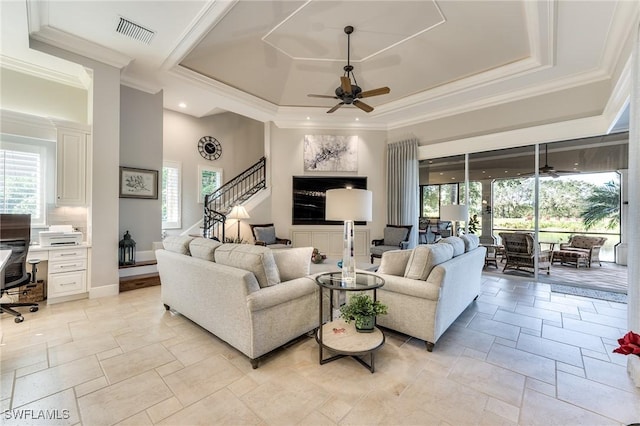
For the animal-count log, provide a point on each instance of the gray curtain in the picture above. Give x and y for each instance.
(403, 186)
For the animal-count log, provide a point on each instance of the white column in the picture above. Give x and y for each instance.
(633, 306)
(622, 249)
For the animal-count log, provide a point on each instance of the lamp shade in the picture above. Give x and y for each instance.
(238, 212)
(349, 204)
(454, 212)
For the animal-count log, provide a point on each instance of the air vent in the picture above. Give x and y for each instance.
(132, 30)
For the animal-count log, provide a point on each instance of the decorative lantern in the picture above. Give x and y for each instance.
(127, 250)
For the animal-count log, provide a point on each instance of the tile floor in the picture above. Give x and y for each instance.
(519, 355)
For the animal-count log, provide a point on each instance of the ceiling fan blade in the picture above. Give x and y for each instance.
(375, 92)
(363, 106)
(323, 96)
(346, 84)
(335, 107)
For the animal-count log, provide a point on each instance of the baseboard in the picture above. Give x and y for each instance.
(142, 256)
(104, 291)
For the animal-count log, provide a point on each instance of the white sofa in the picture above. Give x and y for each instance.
(254, 298)
(428, 287)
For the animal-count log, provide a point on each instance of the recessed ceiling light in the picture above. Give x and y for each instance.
(484, 171)
(182, 105)
(357, 119)
(441, 173)
(308, 118)
(575, 164)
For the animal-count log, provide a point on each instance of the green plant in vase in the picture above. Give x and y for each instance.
(363, 310)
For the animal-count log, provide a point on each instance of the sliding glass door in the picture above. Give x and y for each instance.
(577, 192)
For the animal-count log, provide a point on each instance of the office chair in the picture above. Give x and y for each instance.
(15, 235)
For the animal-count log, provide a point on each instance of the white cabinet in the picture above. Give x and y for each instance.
(66, 284)
(71, 167)
(67, 272)
(330, 241)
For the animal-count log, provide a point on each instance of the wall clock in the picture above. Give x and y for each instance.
(209, 148)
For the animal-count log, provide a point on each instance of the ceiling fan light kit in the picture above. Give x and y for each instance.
(350, 93)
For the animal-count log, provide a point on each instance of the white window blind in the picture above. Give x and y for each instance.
(22, 183)
(171, 196)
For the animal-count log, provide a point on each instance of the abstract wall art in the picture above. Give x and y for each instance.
(327, 153)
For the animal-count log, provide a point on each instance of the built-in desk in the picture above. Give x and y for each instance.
(66, 270)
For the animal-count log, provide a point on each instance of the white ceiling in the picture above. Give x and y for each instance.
(262, 58)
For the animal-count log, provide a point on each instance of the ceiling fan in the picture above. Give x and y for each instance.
(550, 170)
(350, 93)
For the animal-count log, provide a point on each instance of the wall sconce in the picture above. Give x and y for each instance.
(127, 250)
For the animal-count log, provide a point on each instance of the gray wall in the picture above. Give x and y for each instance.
(141, 147)
(242, 141)
(103, 216)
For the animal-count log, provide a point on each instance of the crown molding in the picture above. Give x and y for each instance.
(317, 118)
(35, 70)
(227, 97)
(139, 84)
(569, 82)
(208, 18)
(66, 41)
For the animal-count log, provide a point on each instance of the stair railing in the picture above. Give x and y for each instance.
(219, 203)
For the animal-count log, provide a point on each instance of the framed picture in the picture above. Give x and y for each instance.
(327, 153)
(138, 183)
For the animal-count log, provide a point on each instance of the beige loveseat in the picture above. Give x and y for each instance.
(428, 287)
(254, 298)
(580, 249)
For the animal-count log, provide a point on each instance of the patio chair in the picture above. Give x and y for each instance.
(520, 253)
(580, 249)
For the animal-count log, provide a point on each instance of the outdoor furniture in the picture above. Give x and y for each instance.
(580, 250)
(491, 257)
(395, 237)
(520, 252)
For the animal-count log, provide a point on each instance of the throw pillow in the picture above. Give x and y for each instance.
(425, 257)
(471, 241)
(266, 234)
(177, 244)
(292, 263)
(256, 259)
(394, 262)
(204, 248)
(456, 243)
(394, 236)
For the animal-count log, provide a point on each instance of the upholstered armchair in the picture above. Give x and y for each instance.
(395, 237)
(588, 245)
(520, 253)
(265, 235)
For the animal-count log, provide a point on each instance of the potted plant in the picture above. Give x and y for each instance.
(363, 310)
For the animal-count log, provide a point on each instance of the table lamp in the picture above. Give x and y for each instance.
(454, 213)
(348, 205)
(238, 213)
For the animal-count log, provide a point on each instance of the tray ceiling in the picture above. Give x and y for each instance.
(261, 58)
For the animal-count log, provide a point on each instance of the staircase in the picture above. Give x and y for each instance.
(219, 203)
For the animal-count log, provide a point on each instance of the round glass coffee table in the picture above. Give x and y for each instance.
(336, 335)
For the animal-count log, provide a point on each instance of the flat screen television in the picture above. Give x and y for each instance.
(309, 197)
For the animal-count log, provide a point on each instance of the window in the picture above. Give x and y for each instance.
(171, 195)
(209, 179)
(23, 168)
